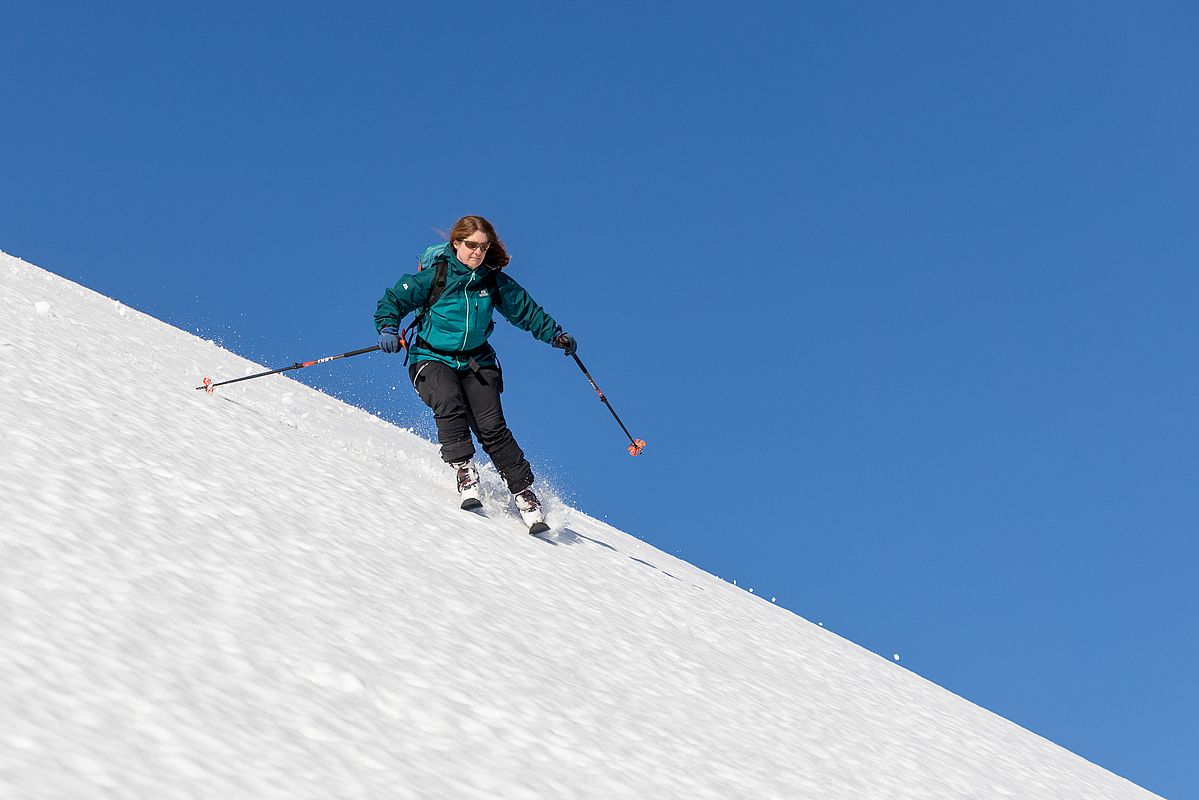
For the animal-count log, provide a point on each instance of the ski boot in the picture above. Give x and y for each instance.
(468, 485)
(530, 511)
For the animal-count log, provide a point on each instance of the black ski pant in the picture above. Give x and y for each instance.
(465, 401)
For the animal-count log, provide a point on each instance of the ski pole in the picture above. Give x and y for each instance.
(637, 444)
(209, 386)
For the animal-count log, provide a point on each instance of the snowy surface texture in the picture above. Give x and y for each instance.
(266, 593)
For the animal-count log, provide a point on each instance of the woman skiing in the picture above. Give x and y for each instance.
(454, 369)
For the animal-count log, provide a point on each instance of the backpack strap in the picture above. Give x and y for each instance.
(436, 290)
(438, 287)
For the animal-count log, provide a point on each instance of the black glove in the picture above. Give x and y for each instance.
(566, 343)
(389, 340)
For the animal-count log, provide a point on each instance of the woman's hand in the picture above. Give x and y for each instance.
(566, 343)
(389, 340)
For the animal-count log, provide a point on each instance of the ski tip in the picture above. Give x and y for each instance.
(471, 503)
(538, 527)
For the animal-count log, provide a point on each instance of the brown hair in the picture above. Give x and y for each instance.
(497, 255)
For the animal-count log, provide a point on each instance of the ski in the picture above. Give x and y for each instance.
(475, 507)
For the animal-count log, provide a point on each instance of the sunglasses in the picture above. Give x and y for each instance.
(475, 245)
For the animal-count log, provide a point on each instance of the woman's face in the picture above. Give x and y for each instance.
(472, 249)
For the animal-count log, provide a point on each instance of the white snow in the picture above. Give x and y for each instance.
(266, 593)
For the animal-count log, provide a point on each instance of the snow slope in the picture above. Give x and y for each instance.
(266, 593)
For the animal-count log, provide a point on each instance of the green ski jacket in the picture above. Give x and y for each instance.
(457, 326)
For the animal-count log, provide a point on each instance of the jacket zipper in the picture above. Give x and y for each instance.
(466, 298)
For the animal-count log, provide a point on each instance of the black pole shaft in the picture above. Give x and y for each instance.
(297, 365)
(604, 399)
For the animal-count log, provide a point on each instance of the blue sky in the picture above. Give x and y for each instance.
(902, 299)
